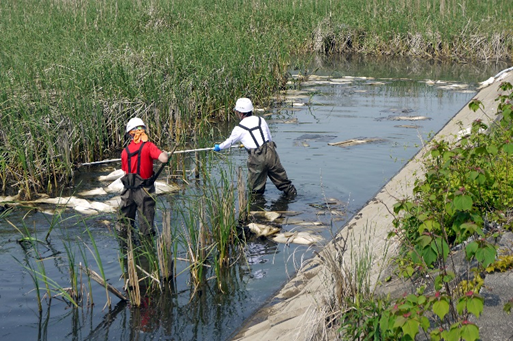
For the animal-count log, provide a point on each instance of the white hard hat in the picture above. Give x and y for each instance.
(134, 123)
(244, 105)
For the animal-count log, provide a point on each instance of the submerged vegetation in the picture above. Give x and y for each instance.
(73, 72)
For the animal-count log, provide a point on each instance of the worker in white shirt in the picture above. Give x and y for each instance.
(263, 160)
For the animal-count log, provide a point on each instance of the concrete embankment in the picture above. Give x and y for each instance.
(299, 309)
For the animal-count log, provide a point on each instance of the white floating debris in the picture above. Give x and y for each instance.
(102, 207)
(408, 118)
(296, 222)
(320, 82)
(78, 204)
(341, 80)
(317, 77)
(269, 215)
(302, 237)
(115, 187)
(85, 210)
(10, 198)
(263, 230)
(362, 78)
(500, 76)
(453, 86)
(65, 201)
(118, 173)
(93, 192)
(162, 187)
(486, 83)
(114, 202)
(352, 142)
(308, 83)
(459, 86)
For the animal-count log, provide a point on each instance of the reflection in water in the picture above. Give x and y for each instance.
(171, 315)
(261, 203)
(398, 68)
(256, 251)
(101, 331)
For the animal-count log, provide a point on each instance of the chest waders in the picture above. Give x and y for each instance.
(136, 198)
(133, 181)
(263, 162)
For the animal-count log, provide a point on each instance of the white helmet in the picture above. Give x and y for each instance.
(134, 123)
(244, 105)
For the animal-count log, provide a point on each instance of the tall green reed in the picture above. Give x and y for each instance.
(222, 213)
(206, 231)
(193, 239)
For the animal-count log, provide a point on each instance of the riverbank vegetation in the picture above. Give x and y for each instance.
(463, 201)
(74, 72)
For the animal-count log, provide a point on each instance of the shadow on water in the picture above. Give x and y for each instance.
(333, 183)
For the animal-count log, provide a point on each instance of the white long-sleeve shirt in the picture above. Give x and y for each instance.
(244, 136)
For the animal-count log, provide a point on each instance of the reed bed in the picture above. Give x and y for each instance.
(207, 232)
(74, 72)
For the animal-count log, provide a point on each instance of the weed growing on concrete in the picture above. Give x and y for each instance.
(462, 199)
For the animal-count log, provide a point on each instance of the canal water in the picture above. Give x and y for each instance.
(341, 99)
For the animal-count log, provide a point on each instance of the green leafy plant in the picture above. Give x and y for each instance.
(453, 203)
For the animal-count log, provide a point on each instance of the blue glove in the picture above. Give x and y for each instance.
(216, 148)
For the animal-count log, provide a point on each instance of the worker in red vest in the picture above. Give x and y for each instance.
(137, 197)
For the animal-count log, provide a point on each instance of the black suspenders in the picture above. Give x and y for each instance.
(259, 127)
(129, 159)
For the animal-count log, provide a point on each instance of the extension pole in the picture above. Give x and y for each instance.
(117, 160)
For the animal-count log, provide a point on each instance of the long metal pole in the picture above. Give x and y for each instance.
(117, 160)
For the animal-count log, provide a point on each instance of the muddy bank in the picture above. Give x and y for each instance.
(298, 311)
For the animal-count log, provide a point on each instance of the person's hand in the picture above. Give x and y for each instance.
(216, 148)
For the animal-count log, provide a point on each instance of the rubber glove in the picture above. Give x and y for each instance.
(216, 148)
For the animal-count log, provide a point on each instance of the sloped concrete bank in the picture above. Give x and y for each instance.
(298, 310)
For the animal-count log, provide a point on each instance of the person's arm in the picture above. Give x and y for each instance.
(163, 157)
(235, 137)
(267, 131)
(157, 154)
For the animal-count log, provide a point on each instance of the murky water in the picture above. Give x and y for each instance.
(330, 108)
